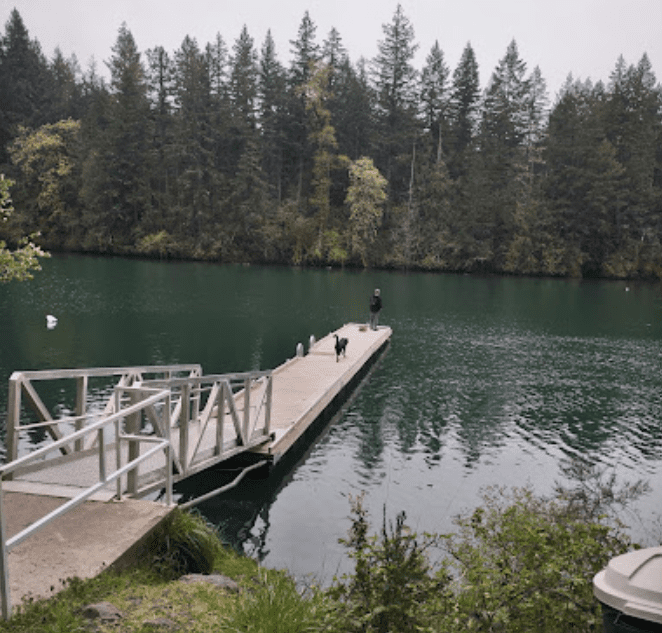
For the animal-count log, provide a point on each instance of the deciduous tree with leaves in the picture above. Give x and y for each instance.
(18, 263)
(365, 196)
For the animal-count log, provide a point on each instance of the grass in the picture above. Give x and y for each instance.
(497, 580)
(267, 598)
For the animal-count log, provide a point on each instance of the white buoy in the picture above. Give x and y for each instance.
(51, 321)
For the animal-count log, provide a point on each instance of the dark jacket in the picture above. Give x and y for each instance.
(375, 303)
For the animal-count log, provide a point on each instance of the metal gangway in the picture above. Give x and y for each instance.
(155, 425)
(210, 419)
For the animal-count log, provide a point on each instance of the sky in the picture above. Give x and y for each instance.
(582, 37)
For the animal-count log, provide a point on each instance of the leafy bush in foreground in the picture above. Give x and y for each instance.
(518, 563)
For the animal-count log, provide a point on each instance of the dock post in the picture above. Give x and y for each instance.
(184, 426)
(132, 426)
(13, 417)
(5, 596)
(267, 413)
(168, 452)
(247, 409)
(81, 406)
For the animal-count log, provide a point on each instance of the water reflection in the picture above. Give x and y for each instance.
(487, 380)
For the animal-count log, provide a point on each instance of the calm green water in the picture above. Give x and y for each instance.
(487, 381)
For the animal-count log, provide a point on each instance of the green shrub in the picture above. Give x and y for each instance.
(523, 563)
(394, 586)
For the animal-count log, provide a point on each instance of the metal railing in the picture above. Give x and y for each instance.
(99, 429)
(244, 398)
(23, 391)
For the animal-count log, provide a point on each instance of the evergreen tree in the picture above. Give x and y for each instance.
(298, 157)
(395, 83)
(271, 92)
(243, 79)
(434, 98)
(504, 130)
(464, 105)
(196, 175)
(117, 188)
(334, 55)
(221, 118)
(585, 184)
(352, 110)
(323, 139)
(160, 91)
(24, 82)
(244, 87)
(251, 208)
(305, 52)
(633, 125)
(66, 101)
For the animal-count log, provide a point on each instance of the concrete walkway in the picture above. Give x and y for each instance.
(82, 543)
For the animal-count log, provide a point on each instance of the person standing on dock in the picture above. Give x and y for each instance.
(375, 307)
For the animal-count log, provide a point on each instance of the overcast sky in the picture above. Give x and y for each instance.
(582, 37)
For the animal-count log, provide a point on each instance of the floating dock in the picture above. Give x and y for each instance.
(159, 426)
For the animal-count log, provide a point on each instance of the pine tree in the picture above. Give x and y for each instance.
(271, 91)
(434, 98)
(352, 105)
(243, 82)
(305, 52)
(464, 104)
(66, 101)
(193, 142)
(584, 182)
(24, 82)
(505, 132)
(395, 81)
(326, 158)
(221, 107)
(633, 125)
(299, 153)
(117, 188)
(160, 91)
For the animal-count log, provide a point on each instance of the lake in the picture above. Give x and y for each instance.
(486, 381)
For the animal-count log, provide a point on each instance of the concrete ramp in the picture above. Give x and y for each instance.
(83, 542)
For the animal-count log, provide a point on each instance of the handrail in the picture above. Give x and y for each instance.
(33, 456)
(161, 443)
(21, 384)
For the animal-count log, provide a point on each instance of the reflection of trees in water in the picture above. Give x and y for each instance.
(488, 389)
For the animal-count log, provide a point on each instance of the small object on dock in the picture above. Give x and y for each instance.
(311, 342)
(299, 350)
(51, 321)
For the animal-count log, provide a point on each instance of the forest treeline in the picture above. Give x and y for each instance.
(222, 152)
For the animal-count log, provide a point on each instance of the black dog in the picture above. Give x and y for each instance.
(341, 347)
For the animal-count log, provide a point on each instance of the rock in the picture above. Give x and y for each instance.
(218, 580)
(160, 623)
(104, 611)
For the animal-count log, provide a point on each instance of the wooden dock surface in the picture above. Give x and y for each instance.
(94, 535)
(304, 387)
